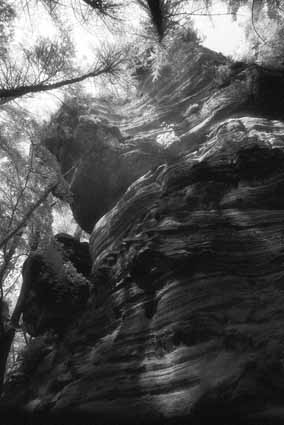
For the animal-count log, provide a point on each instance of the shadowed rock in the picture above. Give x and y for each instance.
(185, 322)
(58, 287)
(99, 165)
(103, 147)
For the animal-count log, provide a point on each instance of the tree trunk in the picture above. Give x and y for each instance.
(8, 329)
(6, 339)
(28, 215)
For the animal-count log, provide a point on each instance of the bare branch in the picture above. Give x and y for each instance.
(28, 215)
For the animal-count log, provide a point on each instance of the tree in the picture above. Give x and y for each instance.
(49, 64)
(15, 83)
(27, 182)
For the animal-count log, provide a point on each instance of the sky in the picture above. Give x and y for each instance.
(218, 33)
(222, 33)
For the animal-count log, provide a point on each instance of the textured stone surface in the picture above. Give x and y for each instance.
(103, 147)
(185, 321)
(98, 163)
(58, 286)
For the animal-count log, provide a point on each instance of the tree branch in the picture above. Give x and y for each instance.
(24, 220)
(11, 93)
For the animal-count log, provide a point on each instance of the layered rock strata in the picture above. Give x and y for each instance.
(185, 320)
(105, 145)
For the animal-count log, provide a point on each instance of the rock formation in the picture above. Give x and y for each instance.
(58, 287)
(95, 156)
(184, 321)
(105, 147)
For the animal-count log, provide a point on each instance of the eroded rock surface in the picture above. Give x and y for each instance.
(104, 146)
(58, 286)
(185, 321)
(97, 161)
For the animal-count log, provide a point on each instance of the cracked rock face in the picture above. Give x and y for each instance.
(104, 146)
(185, 320)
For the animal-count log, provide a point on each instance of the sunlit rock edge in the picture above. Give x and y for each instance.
(104, 145)
(185, 318)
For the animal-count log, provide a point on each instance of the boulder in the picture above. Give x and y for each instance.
(57, 287)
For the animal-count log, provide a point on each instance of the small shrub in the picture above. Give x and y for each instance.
(223, 74)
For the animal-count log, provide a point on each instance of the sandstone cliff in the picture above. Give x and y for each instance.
(184, 319)
(103, 146)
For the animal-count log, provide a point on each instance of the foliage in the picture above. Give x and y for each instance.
(23, 176)
(86, 9)
(161, 14)
(47, 63)
(152, 57)
(27, 178)
(266, 41)
(7, 16)
(51, 57)
(223, 74)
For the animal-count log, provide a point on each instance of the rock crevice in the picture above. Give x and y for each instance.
(183, 320)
